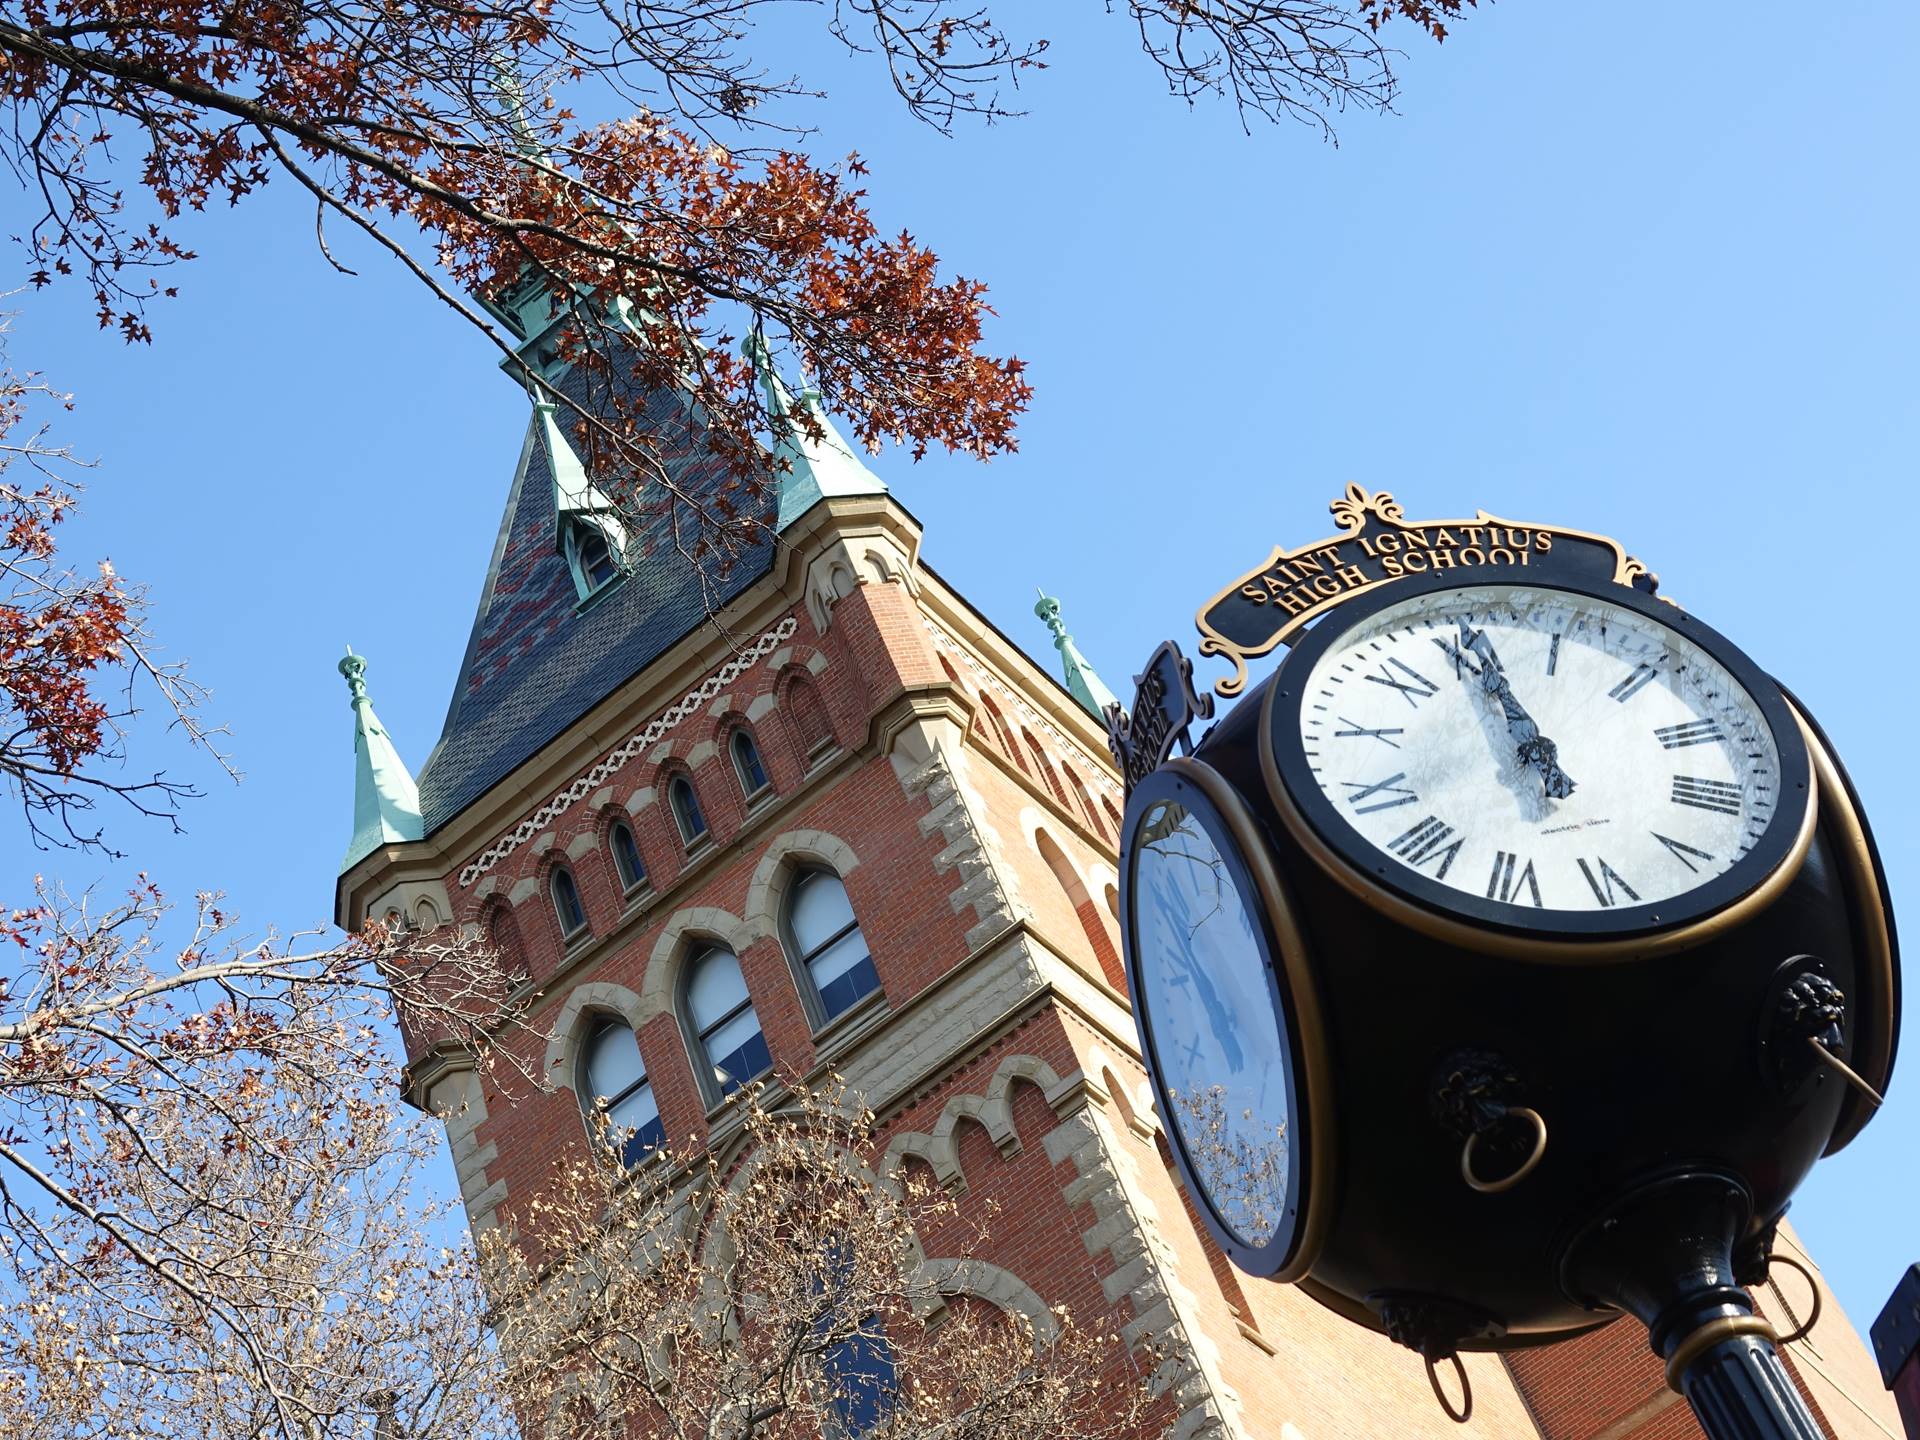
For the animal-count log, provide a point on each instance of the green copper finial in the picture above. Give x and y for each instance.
(813, 469)
(386, 803)
(1083, 682)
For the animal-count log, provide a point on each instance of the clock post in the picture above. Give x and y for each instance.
(1504, 958)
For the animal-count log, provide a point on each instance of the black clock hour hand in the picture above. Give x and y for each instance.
(1530, 746)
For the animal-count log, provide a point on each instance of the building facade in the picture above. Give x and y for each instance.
(812, 811)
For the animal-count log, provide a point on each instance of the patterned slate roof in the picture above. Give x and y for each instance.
(536, 660)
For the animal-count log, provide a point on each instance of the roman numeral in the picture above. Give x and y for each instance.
(1414, 693)
(1358, 731)
(1716, 795)
(1503, 884)
(1428, 840)
(1681, 851)
(1389, 787)
(1633, 684)
(1694, 732)
(1602, 884)
(1553, 653)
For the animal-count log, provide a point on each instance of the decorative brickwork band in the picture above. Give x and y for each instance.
(649, 734)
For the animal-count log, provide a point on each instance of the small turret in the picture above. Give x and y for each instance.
(386, 806)
(1083, 682)
(813, 469)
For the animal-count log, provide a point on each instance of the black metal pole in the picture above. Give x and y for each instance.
(1740, 1390)
(1664, 1254)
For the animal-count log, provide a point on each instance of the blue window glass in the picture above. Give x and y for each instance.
(614, 1084)
(626, 857)
(860, 1377)
(731, 1045)
(828, 942)
(566, 904)
(746, 762)
(594, 557)
(686, 810)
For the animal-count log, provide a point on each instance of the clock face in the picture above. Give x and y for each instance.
(1514, 750)
(1211, 1013)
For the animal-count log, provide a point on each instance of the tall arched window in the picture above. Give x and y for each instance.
(1047, 772)
(566, 903)
(1113, 815)
(686, 811)
(827, 945)
(591, 556)
(1084, 909)
(746, 764)
(626, 856)
(731, 1049)
(1084, 796)
(613, 1083)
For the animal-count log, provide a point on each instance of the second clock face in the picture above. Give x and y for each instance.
(1540, 749)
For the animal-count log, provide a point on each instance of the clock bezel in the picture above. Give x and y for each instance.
(1465, 918)
(1291, 1251)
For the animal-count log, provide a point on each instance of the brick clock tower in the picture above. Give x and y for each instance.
(819, 812)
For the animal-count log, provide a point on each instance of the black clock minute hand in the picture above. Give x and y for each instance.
(1530, 746)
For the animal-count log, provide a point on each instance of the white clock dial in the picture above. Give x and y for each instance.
(1539, 748)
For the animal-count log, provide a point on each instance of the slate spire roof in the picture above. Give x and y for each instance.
(813, 469)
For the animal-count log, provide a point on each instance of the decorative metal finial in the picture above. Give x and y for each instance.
(354, 668)
(1048, 609)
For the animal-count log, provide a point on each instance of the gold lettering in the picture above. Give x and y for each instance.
(1325, 585)
(1331, 554)
(1295, 605)
(1445, 539)
(1519, 539)
(1524, 554)
(1543, 542)
(1443, 559)
(1254, 593)
(1472, 532)
(1472, 556)
(1352, 575)
(1415, 537)
(1304, 563)
(1500, 555)
(1391, 564)
(1272, 584)
(1413, 569)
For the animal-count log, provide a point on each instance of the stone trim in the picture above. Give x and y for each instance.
(584, 785)
(1124, 1226)
(972, 847)
(993, 1111)
(767, 889)
(1000, 1288)
(600, 996)
(659, 990)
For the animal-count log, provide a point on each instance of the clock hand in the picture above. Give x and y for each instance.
(1531, 747)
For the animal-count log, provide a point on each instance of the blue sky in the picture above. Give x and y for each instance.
(1651, 277)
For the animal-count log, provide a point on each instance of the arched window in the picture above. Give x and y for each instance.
(1113, 815)
(746, 764)
(503, 936)
(1084, 796)
(1084, 910)
(426, 915)
(566, 903)
(727, 1031)
(827, 945)
(861, 1379)
(1002, 736)
(810, 720)
(686, 811)
(613, 1083)
(1112, 897)
(626, 856)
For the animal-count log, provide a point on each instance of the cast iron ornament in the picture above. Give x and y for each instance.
(1535, 933)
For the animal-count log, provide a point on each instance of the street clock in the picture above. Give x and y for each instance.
(1507, 955)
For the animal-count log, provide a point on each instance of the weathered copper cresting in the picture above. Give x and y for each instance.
(1489, 1121)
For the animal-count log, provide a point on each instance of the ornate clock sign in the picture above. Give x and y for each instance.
(1504, 957)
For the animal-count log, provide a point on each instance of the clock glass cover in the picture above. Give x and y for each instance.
(1210, 1011)
(1512, 750)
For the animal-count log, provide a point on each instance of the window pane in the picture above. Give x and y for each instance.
(714, 989)
(820, 910)
(737, 1050)
(860, 1375)
(636, 1119)
(566, 901)
(626, 857)
(828, 965)
(859, 980)
(613, 1062)
(686, 811)
(746, 759)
